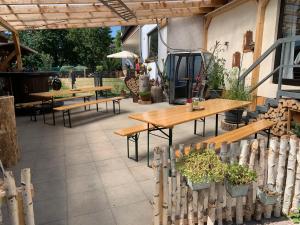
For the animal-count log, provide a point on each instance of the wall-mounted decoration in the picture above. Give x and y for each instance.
(236, 60)
(248, 45)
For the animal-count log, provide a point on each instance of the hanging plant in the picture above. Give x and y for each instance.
(237, 179)
(201, 168)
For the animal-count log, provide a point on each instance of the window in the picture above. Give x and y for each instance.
(153, 44)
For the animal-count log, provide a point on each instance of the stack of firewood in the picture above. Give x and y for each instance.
(279, 115)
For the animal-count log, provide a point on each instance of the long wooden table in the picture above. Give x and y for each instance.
(170, 117)
(50, 95)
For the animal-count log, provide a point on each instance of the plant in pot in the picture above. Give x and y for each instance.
(237, 180)
(215, 78)
(201, 168)
(267, 195)
(236, 91)
(145, 95)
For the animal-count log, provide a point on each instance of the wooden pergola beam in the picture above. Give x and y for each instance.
(259, 31)
(16, 40)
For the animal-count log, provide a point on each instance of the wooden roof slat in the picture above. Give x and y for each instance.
(34, 14)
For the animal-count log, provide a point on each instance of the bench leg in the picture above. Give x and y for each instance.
(255, 136)
(114, 107)
(148, 145)
(69, 115)
(64, 118)
(203, 127)
(106, 107)
(269, 134)
(84, 100)
(134, 139)
(217, 121)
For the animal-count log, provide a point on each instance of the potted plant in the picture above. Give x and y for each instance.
(201, 168)
(236, 91)
(145, 95)
(215, 78)
(237, 179)
(267, 195)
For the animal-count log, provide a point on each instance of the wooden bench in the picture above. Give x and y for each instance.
(66, 108)
(240, 133)
(85, 97)
(132, 133)
(34, 107)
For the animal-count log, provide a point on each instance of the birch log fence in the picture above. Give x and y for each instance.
(277, 168)
(18, 200)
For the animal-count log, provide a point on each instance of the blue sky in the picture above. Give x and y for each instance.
(114, 30)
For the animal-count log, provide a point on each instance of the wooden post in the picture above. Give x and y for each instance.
(296, 199)
(173, 179)
(260, 21)
(27, 197)
(157, 170)
(9, 154)
(165, 171)
(290, 176)
(212, 200)
(283, 149)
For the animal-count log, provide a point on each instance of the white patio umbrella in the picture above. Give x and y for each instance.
(123, 55)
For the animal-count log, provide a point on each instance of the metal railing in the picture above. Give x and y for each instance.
(286, 55)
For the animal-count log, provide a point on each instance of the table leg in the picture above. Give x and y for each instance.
(217, 121)
(97, 99)
(170, 136)
(148, 145)
(53, 113)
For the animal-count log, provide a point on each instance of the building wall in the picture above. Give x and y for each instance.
(186, 33)
(231, 26)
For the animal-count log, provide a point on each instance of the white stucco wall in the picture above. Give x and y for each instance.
(162, 49)
(230, 27)
(185, 33)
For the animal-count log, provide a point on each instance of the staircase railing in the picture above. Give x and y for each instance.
(285, 54)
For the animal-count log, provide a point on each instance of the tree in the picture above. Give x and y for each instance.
(118, 42)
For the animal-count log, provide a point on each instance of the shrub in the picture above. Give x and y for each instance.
(239, 175)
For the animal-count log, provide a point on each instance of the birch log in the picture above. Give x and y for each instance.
(239, 200)
(271, 171)
(165, 172)
(173, 182)
(201, 209)
(190, 207)
(27, 197)
(283, 150)
(11, 195)
(296, 198)
(157, 170)
(261, 177)
(290, 176)
(249, 200)
(212, 205)
(183, 204)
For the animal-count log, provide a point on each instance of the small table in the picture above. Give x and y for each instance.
(52, 94)
(170, 117)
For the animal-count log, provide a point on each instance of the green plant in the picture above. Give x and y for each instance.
(296, 129)
(239, 175)
(236, 90)
(202, 167)
(295, 217)
(216, 74)
(145, 93)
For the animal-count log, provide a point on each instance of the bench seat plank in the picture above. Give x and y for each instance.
(240, 133)
(72, 97)
(82, 104)
(132, 130)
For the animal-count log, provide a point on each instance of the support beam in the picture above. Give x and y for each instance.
(4, 64)
(207, 22)
(260, 21)
(16, 40)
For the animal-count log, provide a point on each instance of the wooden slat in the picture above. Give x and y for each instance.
(240, 133)
(132, 130)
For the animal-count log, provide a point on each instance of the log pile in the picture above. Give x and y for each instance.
(277, 167)
(280, 115)
(18, 200)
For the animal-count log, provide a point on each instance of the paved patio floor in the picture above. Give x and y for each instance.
(82, 176)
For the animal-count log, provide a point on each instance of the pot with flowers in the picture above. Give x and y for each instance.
(237, 180)
(201, 169)
(235, 90)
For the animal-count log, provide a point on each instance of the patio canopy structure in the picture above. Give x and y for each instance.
(64, 14)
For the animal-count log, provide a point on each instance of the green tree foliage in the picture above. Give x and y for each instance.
(118, 42)
(88, 47)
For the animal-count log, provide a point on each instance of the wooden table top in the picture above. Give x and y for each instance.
(172, 116)
(50, 94)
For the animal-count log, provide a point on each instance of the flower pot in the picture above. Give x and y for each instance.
(145, 98)
(236, 190)
(234, 116)
(265, 198)
(212, 94)
(197, 186)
